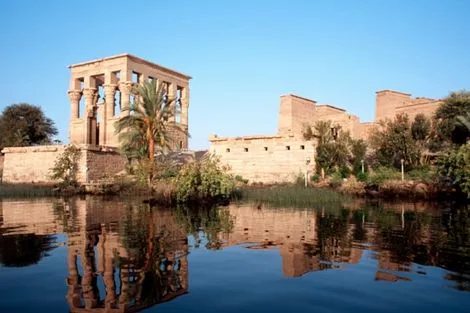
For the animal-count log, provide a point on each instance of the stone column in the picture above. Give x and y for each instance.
(74, 96)
(90, 96)
(172, 98)
(90, 118)
(73, 293)
(185, 106)
(108, 113)
(125, 88)
(111, 241)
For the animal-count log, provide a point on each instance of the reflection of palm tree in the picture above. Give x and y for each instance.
(213, 221)
(152, 253)
(333, 235)
(360, 233)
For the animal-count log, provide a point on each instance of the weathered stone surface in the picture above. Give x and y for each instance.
(278, 164)
(33, 164)
(265, 158)
(93, 121)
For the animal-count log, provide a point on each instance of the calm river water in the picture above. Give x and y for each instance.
(92, 255)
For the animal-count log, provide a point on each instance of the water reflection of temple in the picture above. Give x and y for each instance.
(120, 259)
(123, 258)
(312, 240)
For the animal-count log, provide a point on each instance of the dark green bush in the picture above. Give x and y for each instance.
(344, 171)
(382, 174)
(315, 178)
(361, 176)
(336, 180)
(423, 174)
(204, 180)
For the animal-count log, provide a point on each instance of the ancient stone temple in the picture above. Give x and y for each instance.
(100, 93)
(286, 155)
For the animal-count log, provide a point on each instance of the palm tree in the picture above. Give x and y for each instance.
(145, 130)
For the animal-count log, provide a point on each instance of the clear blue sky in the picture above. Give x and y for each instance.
(242, 54)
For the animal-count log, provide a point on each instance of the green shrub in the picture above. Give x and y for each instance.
(65, 167)
(362, 177)
(454, 168)
(423, 174)
(315, 178)
(336, 180)
(204, 180)
(165, 170)
(344, 171)
(300, 179)
(240, 179)
(382, 174)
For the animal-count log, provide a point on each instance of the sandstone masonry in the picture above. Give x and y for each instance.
(100, 93)
(33, 164)
(282, 157)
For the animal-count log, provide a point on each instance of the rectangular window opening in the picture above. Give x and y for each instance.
(287, 147)
(81, 104)
(131, 104)
(135, 77)
(265, 148)
(117, 103)
(179, 94)
(246, 149)
(227, 150)
(302, 147)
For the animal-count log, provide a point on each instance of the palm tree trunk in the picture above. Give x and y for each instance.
(150, 242)
(151, 159)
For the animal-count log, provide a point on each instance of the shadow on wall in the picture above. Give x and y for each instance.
(2, 158)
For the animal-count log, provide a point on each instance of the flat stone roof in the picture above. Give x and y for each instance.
(299, 97)
(134, 58)
(394, 91)
(331, 107)
(213, 138)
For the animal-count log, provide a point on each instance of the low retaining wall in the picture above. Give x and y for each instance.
(33, 164)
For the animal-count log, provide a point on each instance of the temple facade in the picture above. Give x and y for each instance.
(285, 156)
(100, 93)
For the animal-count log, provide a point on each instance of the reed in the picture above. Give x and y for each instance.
(27, 190)
(290, 196)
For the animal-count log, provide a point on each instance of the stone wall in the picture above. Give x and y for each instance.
(389, 103)
(33, 164)
(103, 162)
(420, 106)
(265, 159)
(30, 164)
(294, 113)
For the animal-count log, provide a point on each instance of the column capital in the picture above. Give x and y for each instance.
(125, 86)
(74, 95)
(89, 92)
(109, 87)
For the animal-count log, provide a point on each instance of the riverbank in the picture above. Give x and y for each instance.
(393, 189)
(277, 195)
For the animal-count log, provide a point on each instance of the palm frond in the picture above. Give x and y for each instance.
(150, 121)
